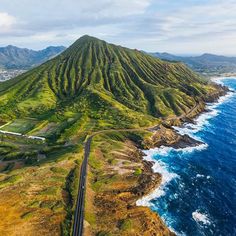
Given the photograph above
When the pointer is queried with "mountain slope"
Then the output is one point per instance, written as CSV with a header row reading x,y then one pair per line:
x,y
12,57
105,82
208,63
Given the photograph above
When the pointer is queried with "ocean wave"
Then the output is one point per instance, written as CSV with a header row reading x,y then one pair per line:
x,y
219,79
201,217
160,167
176,232
221,99
200,176
203,120
165,151
166,177
192,149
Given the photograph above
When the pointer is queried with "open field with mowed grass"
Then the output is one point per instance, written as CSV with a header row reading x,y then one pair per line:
x,y
21,125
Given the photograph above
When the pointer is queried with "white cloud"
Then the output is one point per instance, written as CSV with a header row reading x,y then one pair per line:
x,y
114,8
6,22
153,25
49,17
199,28
201,19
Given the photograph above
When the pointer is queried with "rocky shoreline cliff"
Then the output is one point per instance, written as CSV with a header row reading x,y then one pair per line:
x,y
165,135
128,177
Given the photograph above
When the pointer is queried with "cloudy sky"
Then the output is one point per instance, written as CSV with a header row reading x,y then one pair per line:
x,y
175,26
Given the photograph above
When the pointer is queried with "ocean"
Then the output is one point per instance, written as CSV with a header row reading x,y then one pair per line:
x,y
197,195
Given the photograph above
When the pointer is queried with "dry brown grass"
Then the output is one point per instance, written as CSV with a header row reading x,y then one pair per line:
x,y
114,188
35,205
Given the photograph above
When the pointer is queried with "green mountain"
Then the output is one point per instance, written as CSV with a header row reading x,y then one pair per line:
x,y
12,57
112,85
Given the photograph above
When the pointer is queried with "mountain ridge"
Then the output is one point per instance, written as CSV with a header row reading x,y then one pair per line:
x,y
107,82
205,63
12,57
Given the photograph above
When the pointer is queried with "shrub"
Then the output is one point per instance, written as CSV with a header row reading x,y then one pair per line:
x,y
125,224
138,172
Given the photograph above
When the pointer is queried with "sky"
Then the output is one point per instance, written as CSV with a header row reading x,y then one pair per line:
x,y
183,27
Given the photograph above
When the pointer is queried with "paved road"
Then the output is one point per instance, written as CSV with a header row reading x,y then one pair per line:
x,y
79,211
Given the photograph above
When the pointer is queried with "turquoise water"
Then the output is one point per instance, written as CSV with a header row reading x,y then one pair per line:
x,y
198,191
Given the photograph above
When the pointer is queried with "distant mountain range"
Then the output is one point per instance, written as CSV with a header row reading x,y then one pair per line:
x,y
206,63
12,57
15,58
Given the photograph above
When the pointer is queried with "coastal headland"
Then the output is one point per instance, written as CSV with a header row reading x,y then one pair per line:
x,y
116,202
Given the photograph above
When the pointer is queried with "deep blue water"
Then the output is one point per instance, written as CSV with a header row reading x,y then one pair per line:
x,y
198,194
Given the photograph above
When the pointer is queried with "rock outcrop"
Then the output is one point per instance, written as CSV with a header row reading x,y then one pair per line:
x,y
167,136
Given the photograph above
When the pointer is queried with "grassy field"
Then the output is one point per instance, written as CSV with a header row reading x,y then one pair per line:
x,y
115,181
2,123
21,125
48,187
45,129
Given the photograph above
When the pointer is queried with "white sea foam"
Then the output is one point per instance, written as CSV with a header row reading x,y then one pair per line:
x,y
199,176
177,233
192,149
201,218
219,80
165,151
201,121
160,167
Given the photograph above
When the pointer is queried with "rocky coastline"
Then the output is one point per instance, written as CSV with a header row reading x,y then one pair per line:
x,y
165,135
115,204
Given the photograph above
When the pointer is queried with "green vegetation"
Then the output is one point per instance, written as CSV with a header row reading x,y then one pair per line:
x,y
9,180
125,224
70,189
27,215
98,161
94,85
7,148
138,172
9,166
20,125
103,234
